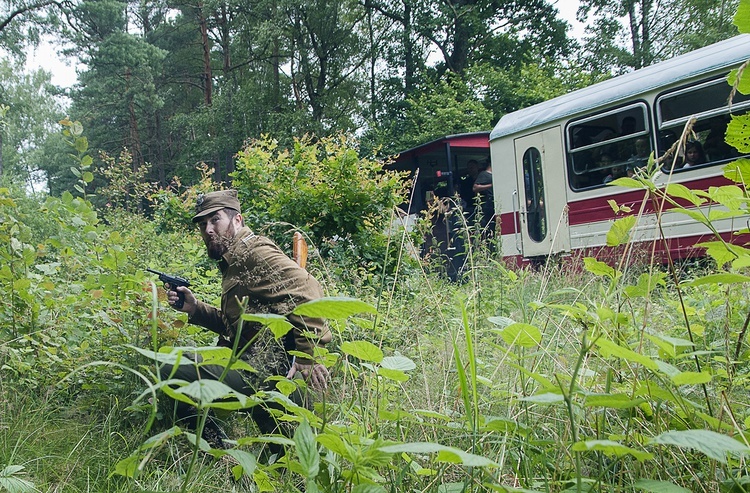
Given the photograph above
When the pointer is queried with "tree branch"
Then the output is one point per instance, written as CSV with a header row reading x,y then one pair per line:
x,y
27,8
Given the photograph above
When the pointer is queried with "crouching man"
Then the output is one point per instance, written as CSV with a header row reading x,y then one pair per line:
x,y
253,269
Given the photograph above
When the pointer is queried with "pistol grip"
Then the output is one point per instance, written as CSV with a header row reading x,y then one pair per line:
x,y
180,299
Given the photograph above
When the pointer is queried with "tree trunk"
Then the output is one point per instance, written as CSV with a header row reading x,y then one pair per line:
x,y
135,137
206,76
409,65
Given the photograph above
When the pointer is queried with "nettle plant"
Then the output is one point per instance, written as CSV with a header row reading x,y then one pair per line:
x,y
343,446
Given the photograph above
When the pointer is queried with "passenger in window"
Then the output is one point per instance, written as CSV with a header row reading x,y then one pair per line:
x,y
610,172
694,154
715,147
628,126
640,159
667,140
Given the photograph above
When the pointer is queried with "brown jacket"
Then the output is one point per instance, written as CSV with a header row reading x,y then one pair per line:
x,y
255,268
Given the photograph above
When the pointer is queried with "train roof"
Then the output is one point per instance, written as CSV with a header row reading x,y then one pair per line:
x,y
471,139
723,54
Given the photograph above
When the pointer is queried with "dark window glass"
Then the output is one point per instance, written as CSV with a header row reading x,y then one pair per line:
x,y
604,147
533,180
708,103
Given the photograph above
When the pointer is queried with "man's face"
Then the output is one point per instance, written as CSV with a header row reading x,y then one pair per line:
x,y
217,231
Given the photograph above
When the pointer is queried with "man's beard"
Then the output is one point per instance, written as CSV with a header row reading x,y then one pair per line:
x,y
218,246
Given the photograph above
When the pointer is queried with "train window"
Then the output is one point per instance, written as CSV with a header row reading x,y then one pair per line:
x,y
533,181
708,103
606,146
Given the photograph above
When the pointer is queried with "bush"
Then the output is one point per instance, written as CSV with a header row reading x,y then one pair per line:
x,y
344,202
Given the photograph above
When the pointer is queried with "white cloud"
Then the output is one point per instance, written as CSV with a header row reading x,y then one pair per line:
x,y
45,57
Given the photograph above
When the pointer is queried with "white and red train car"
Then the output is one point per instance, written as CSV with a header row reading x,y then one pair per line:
x,y
551,162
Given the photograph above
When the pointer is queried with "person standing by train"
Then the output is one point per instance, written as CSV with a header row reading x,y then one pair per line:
x,y
483,187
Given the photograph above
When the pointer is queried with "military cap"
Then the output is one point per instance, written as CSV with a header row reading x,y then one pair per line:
x,y
212,202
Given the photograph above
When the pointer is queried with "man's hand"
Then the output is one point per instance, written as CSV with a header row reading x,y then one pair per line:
x,y
190,301
316,374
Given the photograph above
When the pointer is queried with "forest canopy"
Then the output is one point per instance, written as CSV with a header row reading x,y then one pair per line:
x,y
175,84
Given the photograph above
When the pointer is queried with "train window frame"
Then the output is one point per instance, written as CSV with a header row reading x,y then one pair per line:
x,y
694,88
707,122
590,176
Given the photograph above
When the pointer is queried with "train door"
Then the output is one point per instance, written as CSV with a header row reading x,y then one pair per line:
x,y
542,193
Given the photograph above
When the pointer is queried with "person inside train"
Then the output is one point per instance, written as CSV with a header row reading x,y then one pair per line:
x,y
640,158
715,147
694,154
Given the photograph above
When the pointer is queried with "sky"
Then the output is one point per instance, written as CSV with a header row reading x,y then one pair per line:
x,y
64,71
45,57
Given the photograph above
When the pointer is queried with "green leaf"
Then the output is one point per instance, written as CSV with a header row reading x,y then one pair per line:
x,y
86,161
679,191
730,196
366,351
619,232
538,377
174,356
721,252
369,488
599,268
205,391
691,378
81,144
717,214
277,324
76,128
693,214
457,456
307,450
401,363
246,460
511,489
669,345
12,483
611,448
723,278
524,335
608,348
160,438
737,131
742,17
88,177
627,182
334,443
738,171
655,486
646,284
127,466
504,425
395,375
445,454
333,307
501,321
715,445
612,401
544,399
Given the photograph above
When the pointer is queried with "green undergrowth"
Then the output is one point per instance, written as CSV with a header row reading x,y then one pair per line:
x,y
576,375
555,379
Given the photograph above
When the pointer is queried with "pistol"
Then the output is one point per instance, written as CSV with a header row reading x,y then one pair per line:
x,y
172,282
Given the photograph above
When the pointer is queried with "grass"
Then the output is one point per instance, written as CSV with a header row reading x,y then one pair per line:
x,y
557,379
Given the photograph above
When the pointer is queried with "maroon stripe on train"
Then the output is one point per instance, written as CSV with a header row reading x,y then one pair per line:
x,y
598,209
